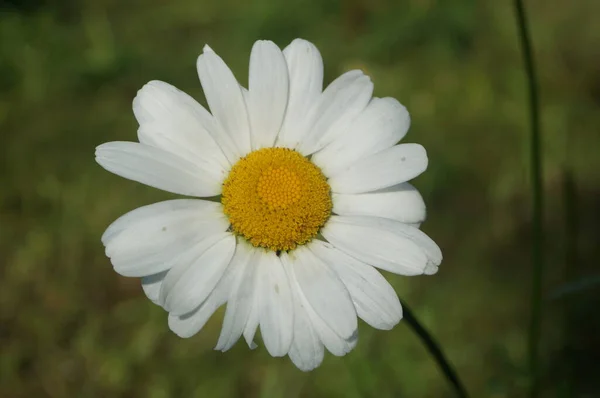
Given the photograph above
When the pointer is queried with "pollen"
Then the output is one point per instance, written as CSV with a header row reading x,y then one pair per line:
x,y
276,199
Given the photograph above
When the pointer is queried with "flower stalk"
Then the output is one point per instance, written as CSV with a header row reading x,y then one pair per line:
x,y
435,350
537,199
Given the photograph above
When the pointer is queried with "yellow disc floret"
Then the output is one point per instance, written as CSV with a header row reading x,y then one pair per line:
x,y
276,198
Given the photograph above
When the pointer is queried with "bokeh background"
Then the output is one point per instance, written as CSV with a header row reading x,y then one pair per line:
x,y
71,327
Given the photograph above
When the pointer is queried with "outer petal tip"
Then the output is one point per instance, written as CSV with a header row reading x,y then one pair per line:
x,y
430,269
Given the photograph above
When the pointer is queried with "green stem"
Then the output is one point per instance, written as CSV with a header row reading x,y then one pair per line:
x,y
435,351
537,198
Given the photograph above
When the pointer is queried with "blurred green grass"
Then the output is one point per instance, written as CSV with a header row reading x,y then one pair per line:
x,y
71,327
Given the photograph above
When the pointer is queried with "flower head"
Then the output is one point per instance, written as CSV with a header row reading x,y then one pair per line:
x,y
313,196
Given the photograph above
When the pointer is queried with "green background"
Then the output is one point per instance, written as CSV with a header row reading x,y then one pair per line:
x,y
71,327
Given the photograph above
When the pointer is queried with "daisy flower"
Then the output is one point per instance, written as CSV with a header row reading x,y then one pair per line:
x,y
308,196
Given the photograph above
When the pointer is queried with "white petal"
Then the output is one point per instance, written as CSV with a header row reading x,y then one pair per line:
x,y
375,300
340,103
276,310
157,168
207,162
149,239
252,323
241,296
172,120
382,124
325,292
389,167
226,102
151,285
431,249
194,276
337,345
268,93
383,243
189,324
305,68
431,269
401,202
306,351
157,210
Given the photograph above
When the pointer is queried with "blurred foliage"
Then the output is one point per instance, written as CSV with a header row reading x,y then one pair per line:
x,y
71,327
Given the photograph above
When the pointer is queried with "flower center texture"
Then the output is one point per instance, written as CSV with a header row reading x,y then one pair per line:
x,y
276,198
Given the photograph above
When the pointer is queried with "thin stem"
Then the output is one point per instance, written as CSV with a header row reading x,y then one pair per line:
x,y
435,351
537,198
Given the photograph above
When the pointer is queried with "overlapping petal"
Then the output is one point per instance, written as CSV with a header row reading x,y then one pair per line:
x,y
401,202
336,108
196,274
240,296
307,350
158,168
387,168
305,70
150,239
334,343
226,102
325,292
382,124
384,243
173,121
189,324
375,300
275,306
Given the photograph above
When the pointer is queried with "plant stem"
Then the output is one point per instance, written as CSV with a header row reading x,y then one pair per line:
x,y
537,199
435,351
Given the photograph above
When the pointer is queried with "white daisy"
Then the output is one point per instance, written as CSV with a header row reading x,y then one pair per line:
x,y
313,195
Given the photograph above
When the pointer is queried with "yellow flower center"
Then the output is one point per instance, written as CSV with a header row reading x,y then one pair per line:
x,y
276,198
